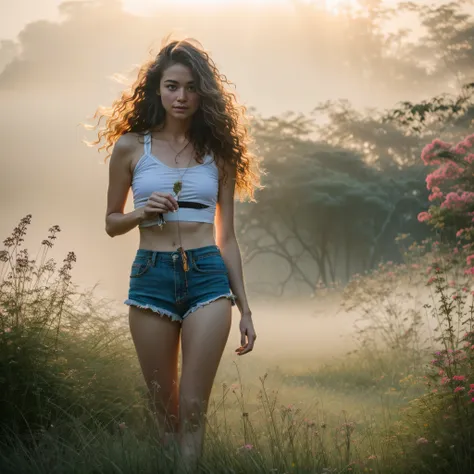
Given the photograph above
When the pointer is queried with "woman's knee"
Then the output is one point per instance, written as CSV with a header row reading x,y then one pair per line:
x,y
192,410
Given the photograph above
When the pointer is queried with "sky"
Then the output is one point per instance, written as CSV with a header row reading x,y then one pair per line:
x,y
279,61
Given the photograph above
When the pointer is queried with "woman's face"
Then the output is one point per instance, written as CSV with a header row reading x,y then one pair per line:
x,y
178,92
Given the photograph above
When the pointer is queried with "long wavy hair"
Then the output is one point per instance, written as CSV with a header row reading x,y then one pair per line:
x,y
219,126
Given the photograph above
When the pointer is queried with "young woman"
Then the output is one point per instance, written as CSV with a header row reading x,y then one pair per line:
x,y
179,142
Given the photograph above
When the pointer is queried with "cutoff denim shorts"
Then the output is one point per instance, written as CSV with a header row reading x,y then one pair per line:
x,y
158,281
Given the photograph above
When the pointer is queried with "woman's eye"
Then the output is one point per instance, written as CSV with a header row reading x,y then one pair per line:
x,y
171,87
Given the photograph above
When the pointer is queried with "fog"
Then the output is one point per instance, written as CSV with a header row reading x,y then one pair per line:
x,y
55,72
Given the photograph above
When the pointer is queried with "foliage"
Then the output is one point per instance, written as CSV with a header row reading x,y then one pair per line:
x,y
58,354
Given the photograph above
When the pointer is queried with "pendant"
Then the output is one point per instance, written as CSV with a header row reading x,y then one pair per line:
x,y
185,259
177,187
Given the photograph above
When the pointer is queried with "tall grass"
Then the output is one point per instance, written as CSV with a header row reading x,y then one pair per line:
x,y
73,399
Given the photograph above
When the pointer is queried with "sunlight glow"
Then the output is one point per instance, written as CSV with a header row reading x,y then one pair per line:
x,y
332,6
336,6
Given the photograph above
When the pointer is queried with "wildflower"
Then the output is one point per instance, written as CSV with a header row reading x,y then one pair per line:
x,y
460,378
372,457
420,441
458,389
424,216
248,447
122,426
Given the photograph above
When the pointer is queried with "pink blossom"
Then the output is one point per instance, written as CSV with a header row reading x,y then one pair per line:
x,y
460,378
469,158
459,232
469,259
469,271
458,389
424,216
431,280
428,153
448,171
434,196
458,200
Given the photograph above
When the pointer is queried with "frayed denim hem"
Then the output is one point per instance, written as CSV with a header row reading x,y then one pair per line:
x,y
155,309
229,296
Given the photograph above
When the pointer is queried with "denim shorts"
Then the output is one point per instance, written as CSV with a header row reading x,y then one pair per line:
x,y
158,281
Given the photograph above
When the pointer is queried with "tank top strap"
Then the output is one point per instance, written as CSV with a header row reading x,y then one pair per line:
x,y
147,144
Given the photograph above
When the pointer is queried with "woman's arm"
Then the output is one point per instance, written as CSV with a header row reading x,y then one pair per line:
x,y
227,242
120,179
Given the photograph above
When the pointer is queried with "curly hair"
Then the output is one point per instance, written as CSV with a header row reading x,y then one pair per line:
x,y
218,126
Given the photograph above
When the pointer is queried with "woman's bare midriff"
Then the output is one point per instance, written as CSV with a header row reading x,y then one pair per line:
x,y
193,235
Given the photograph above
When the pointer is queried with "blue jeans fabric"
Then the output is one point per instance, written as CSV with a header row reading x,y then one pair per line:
x,y
158,281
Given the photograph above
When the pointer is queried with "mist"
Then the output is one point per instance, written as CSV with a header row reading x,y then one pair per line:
x,y
55,73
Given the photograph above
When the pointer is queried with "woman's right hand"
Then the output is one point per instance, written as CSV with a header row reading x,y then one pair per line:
x,y
159,203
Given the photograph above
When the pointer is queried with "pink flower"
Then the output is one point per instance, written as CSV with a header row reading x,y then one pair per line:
x,y
447,171
469,259
458,200
248,447
428,154
424,216
458,389
460,378
431,280
469,158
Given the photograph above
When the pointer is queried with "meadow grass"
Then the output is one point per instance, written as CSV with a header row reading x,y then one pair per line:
x,y
73,399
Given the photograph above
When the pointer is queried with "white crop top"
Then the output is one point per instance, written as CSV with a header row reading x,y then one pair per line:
x,y
200,184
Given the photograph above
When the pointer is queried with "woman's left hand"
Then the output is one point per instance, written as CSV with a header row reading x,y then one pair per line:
x,y
248,335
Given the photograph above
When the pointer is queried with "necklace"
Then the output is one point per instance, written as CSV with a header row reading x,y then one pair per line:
x,y
179,152
177,188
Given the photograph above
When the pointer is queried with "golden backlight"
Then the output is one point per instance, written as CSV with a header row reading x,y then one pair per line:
x,y
333,6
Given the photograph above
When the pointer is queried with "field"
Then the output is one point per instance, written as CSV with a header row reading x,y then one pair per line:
x,y
342,382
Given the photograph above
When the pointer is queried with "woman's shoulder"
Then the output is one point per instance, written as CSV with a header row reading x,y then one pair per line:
x,y
129,142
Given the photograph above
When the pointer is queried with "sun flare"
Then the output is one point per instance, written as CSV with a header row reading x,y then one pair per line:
x,y
336,6
332,6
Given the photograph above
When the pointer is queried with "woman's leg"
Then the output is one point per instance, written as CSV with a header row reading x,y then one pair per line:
x,y
156,340
204,336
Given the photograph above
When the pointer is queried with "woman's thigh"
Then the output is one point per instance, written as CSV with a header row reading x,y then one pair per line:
x,y
156,340
204,336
